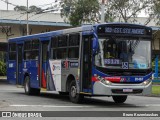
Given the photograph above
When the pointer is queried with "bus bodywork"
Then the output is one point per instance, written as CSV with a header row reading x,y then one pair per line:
x,y
88,60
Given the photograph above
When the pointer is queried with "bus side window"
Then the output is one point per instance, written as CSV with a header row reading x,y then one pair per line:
x,y
62,47
73,48
65,46
59,47
12,51
54,45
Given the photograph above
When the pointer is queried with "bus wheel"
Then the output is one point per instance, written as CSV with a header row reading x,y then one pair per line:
x,y
73,95
28,89
119,99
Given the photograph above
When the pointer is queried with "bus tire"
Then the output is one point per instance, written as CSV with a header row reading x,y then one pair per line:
x,y
28,89
119,99
73,95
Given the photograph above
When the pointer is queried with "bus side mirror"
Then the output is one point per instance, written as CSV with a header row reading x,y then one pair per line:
x,y
94,45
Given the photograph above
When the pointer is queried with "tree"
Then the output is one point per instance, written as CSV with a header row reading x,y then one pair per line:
x,y
20,8
31,8
124,10
156,11
77,12
81,11
34,8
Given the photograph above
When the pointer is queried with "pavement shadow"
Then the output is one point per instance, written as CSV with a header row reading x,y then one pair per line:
x,y
3,81
88,101
106,103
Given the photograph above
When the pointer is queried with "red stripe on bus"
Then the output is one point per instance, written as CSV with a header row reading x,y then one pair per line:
x,y
113,79
94,79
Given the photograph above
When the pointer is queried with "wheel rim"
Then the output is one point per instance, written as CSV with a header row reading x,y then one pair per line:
x,y
73,91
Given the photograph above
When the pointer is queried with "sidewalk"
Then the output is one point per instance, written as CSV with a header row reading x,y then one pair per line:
x,y
3,79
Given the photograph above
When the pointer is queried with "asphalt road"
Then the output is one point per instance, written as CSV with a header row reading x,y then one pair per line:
x,y
14,99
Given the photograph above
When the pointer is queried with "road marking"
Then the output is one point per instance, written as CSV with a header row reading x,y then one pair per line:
x,y
59,106
153,105
47,106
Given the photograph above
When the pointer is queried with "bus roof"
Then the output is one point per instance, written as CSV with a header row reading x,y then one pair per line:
x,y
65,31
52,33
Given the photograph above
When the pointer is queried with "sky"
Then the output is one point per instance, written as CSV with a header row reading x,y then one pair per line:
x,y
24,3
39,3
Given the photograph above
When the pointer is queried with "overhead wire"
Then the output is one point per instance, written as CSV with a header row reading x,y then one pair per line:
x,y
9,3
41,12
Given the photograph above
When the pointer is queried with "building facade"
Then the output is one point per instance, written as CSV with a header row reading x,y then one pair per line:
x,y
13,24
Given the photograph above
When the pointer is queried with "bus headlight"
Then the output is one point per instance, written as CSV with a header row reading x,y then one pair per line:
x,y
147,82
106,82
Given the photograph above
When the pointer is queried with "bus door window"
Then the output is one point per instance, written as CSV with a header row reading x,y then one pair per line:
x,y
19,63
27,50
12,51
86,63
43,63
35,49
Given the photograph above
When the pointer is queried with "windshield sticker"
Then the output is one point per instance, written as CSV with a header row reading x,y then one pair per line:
x,y
140,65
125,65
112,62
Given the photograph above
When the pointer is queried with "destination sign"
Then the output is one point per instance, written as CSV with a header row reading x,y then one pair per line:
x,y
125,30
122,30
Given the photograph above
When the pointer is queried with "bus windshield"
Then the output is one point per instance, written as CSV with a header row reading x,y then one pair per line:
x,y
123,53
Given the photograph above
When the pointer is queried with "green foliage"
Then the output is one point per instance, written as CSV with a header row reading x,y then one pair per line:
x,y
156,90
2,68
156,11
124,10
77,12
31,8
20,8
81,11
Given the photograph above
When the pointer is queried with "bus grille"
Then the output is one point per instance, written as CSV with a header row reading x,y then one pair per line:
x,y
120,91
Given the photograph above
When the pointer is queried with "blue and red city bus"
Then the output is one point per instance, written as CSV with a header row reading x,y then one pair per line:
x,y
112,59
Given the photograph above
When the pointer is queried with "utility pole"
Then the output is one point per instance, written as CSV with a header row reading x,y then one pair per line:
x,y
27,20
7,4
102,11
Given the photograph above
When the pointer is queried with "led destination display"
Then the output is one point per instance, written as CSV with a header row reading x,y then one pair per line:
x,y
128,30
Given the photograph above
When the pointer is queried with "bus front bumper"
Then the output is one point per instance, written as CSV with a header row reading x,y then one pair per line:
x,y
121,89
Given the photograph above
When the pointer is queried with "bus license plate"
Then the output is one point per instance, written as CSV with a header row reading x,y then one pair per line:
x,y
127,90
